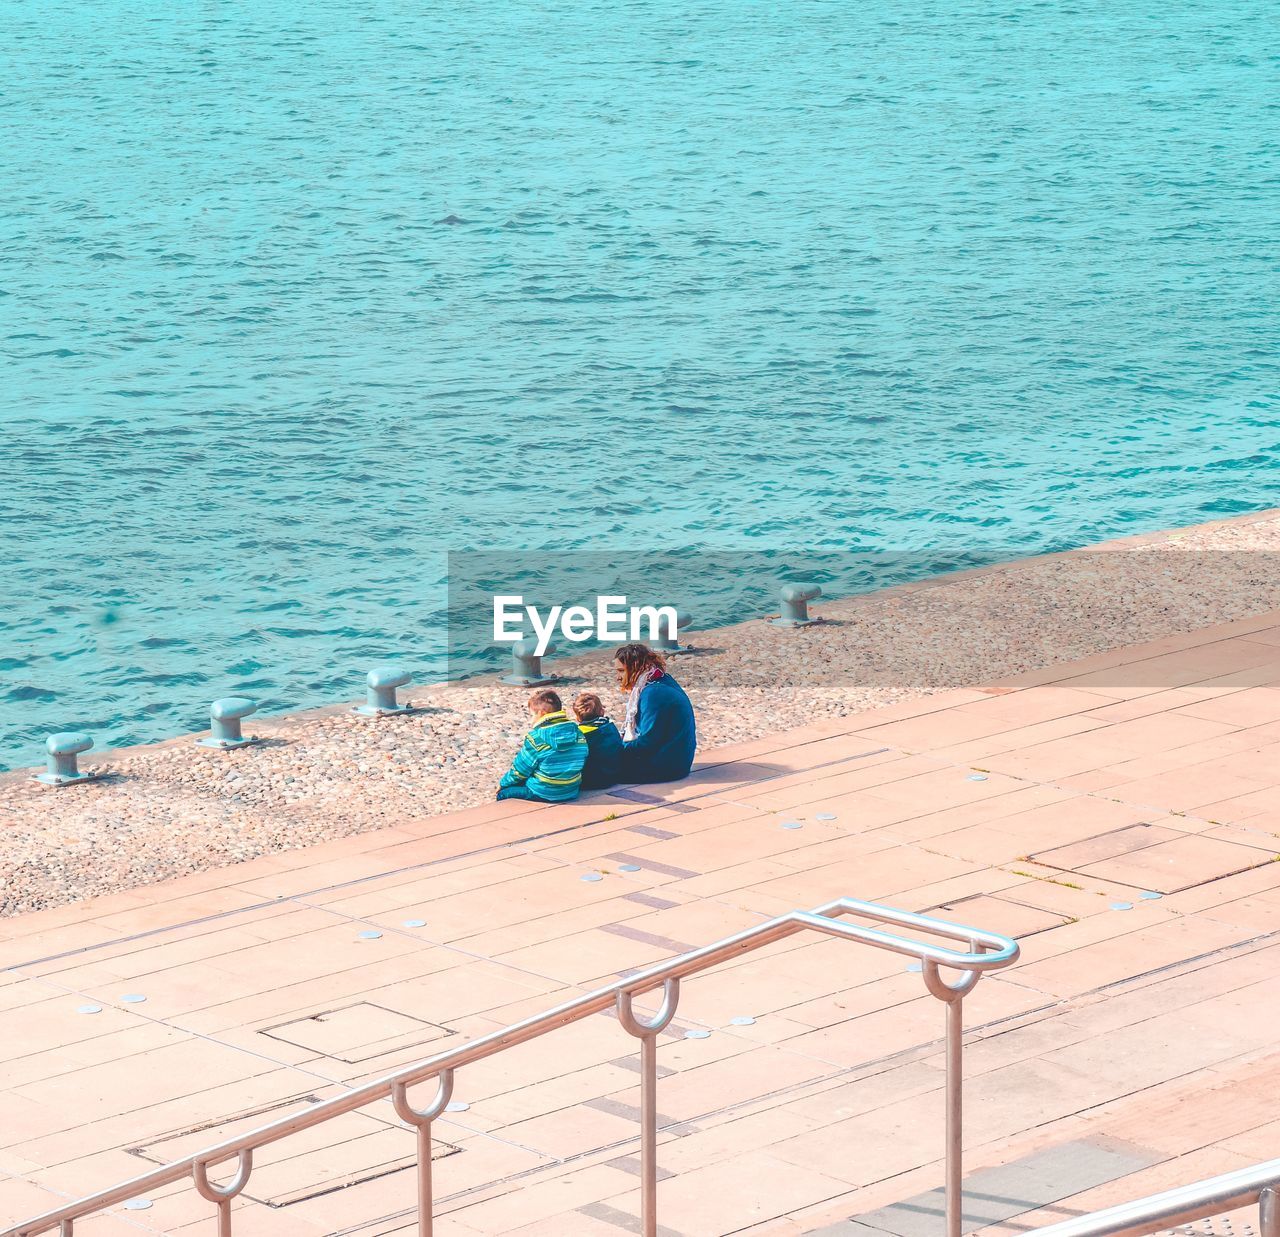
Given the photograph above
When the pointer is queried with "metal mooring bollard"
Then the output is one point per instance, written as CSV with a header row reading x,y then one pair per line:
x,y
526,665
224,723
62,769
381,700
795,605
668,642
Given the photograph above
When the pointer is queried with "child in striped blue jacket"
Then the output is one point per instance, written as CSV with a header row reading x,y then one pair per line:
x,y
548,766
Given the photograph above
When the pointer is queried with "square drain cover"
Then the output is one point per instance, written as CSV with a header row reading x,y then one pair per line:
x,y
1183,863
1104,846
356,1033
345,1151
1153,857
1000,914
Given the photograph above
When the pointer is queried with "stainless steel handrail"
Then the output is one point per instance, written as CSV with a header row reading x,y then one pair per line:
x,y
987,951
1185,1205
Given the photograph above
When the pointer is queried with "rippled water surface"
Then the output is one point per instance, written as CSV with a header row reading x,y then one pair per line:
x,y
295,298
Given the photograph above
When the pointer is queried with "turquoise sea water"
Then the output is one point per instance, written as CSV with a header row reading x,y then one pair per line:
x,y
959,277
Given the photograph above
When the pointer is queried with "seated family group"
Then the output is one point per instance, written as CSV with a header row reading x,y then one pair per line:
x,y
562,755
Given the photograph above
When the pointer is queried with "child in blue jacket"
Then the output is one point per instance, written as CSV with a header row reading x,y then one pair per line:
x,y
604,742
548,766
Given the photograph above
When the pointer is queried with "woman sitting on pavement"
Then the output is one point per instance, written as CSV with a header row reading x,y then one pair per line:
x,y
659,735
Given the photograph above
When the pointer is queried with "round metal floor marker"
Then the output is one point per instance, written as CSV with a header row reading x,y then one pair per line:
x,y
414,923
89,1009
456,1106
792,824
1122,906
915,967
742,1020
697,1035
592,876
138,1204
371,935
1150,895
977,777
133,998
824,816
628,867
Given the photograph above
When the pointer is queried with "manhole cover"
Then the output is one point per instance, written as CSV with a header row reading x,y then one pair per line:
x,y
1000,914
356,1033
342,1152
1155,858
1105,846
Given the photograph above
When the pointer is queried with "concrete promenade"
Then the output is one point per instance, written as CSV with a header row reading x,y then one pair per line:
x,y
1134,1046
174,809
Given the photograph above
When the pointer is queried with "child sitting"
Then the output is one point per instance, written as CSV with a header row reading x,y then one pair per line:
x,y
548,766
604,742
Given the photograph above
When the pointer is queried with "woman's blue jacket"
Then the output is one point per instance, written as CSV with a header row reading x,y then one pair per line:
x,y
666,736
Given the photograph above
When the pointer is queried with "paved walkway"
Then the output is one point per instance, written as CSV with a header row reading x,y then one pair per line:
x,y
1133,1047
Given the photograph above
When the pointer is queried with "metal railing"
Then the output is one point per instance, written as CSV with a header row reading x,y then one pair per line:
x,y
986,951
1185,1205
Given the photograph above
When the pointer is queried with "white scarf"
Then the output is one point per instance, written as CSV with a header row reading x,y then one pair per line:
x,y
633,703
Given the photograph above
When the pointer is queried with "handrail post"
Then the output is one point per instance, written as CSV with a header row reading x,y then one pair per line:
x,y
953,993
421,1120
649,1134
221,1195
646,1030
955,1116
426,1196
1269,1212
